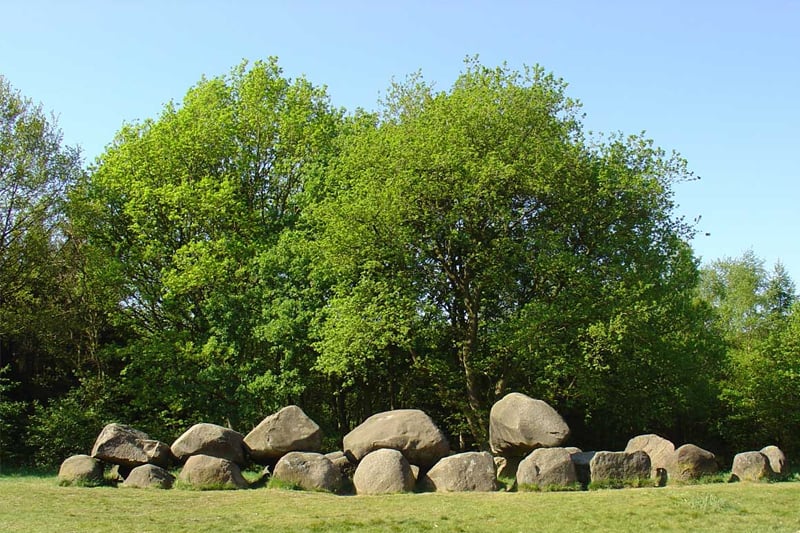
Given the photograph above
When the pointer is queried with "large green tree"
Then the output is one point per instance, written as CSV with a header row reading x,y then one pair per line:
x,y
481,244
188,210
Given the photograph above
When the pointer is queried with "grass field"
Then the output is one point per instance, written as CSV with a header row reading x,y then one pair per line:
x,y
34,504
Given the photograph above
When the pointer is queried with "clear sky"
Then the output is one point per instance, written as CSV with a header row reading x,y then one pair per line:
x,y
718,81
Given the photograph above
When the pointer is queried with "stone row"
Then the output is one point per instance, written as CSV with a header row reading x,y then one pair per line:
x,y
398,451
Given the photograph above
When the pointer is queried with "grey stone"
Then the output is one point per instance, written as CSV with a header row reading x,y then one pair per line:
x,y
207,472
384,471
309,471
149,476
125,446
463,472
547,467
81,469
751,466
288,430
777,461
692,462
210,439
519,424
409,431
660,450
619,467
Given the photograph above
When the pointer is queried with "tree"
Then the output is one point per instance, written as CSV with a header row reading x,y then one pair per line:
x,y
187,210
480,243
40,344
757,312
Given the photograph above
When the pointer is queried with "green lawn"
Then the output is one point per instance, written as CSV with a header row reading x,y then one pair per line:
x,y
31,504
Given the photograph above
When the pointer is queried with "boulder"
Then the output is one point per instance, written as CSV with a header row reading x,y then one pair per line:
x,y
210,439
660,450
309,471
519,424
288,430
125,446
409,431
464,472
384,471
81,470
582,460
149,476
207,472
547,467
751,466
619,467
692,462
777,461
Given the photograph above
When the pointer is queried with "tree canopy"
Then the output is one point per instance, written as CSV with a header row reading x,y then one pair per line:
x,y
478,237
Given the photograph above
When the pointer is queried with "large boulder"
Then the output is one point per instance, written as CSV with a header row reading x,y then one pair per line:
x,y
692,462
546,468
384,471
409,431
660,450
619,467
207,472
464,472
288,430
210,439
519,424
309,471
80,470
777,461
125,446
751,466
149,476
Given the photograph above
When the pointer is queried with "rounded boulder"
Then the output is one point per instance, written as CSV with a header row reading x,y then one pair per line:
x,y
751,466
149,476
547,467
212,440
207,472
519,424
309,471
288,430
463,472
660,450
410,431
384,471
81,470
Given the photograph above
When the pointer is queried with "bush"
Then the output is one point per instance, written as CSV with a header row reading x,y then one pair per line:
x,y
66,426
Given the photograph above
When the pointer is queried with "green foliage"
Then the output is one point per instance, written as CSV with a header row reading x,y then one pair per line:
x,y
68,425
191,213
480,241
760,319
12,415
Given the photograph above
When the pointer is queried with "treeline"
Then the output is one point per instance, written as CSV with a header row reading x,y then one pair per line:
x,y
255,246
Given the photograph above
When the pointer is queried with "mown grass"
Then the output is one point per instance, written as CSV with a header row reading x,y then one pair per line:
x,y
38,504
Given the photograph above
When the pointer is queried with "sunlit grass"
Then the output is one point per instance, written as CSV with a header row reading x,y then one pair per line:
x,y
38,504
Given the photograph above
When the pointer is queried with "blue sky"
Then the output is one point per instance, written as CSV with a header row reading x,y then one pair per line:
x,y
717,81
